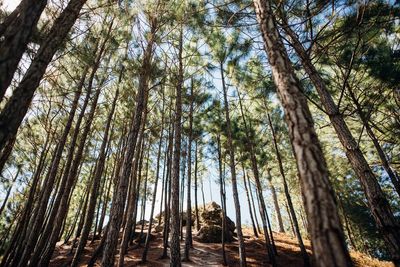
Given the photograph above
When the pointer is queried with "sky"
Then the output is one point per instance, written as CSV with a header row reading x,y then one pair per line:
x,y
9,5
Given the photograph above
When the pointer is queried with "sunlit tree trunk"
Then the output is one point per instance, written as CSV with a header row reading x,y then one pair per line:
x,y
326,232
380,208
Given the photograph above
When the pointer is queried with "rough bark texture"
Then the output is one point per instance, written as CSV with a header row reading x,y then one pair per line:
x,y
15,38
377,201
326,232
17,106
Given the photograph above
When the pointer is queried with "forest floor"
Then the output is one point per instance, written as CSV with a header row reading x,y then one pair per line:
x,y
210,254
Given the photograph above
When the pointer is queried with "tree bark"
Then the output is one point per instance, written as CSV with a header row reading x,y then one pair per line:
x,y
248,202
326,232
15,38
15,109
377,202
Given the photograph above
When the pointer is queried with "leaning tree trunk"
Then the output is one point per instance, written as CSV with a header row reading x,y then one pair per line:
x,y
175,250
95,186
377,202
231,148
118,204
15,38
14,111
35,225
292,214
326,232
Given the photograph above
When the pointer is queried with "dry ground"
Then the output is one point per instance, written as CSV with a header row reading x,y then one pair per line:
x,y
210,254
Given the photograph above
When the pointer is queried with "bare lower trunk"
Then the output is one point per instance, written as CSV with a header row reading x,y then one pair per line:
x,y
242,250
95,185
188,237
380,208
326,232
175,250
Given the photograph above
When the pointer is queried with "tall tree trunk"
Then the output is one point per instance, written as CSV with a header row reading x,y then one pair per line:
x,y
95,186
380,208
36,223
263,209
6,153
147,243
252,204
188,236
196,184
15,109
276,206
223,199
118,204
248,202
175,250
231,148
15,38
296,228
326,232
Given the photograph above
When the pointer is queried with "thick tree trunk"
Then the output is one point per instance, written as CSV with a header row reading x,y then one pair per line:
x,y
188,236
377,201
326,232
175,250
15,37
242,250
14,111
